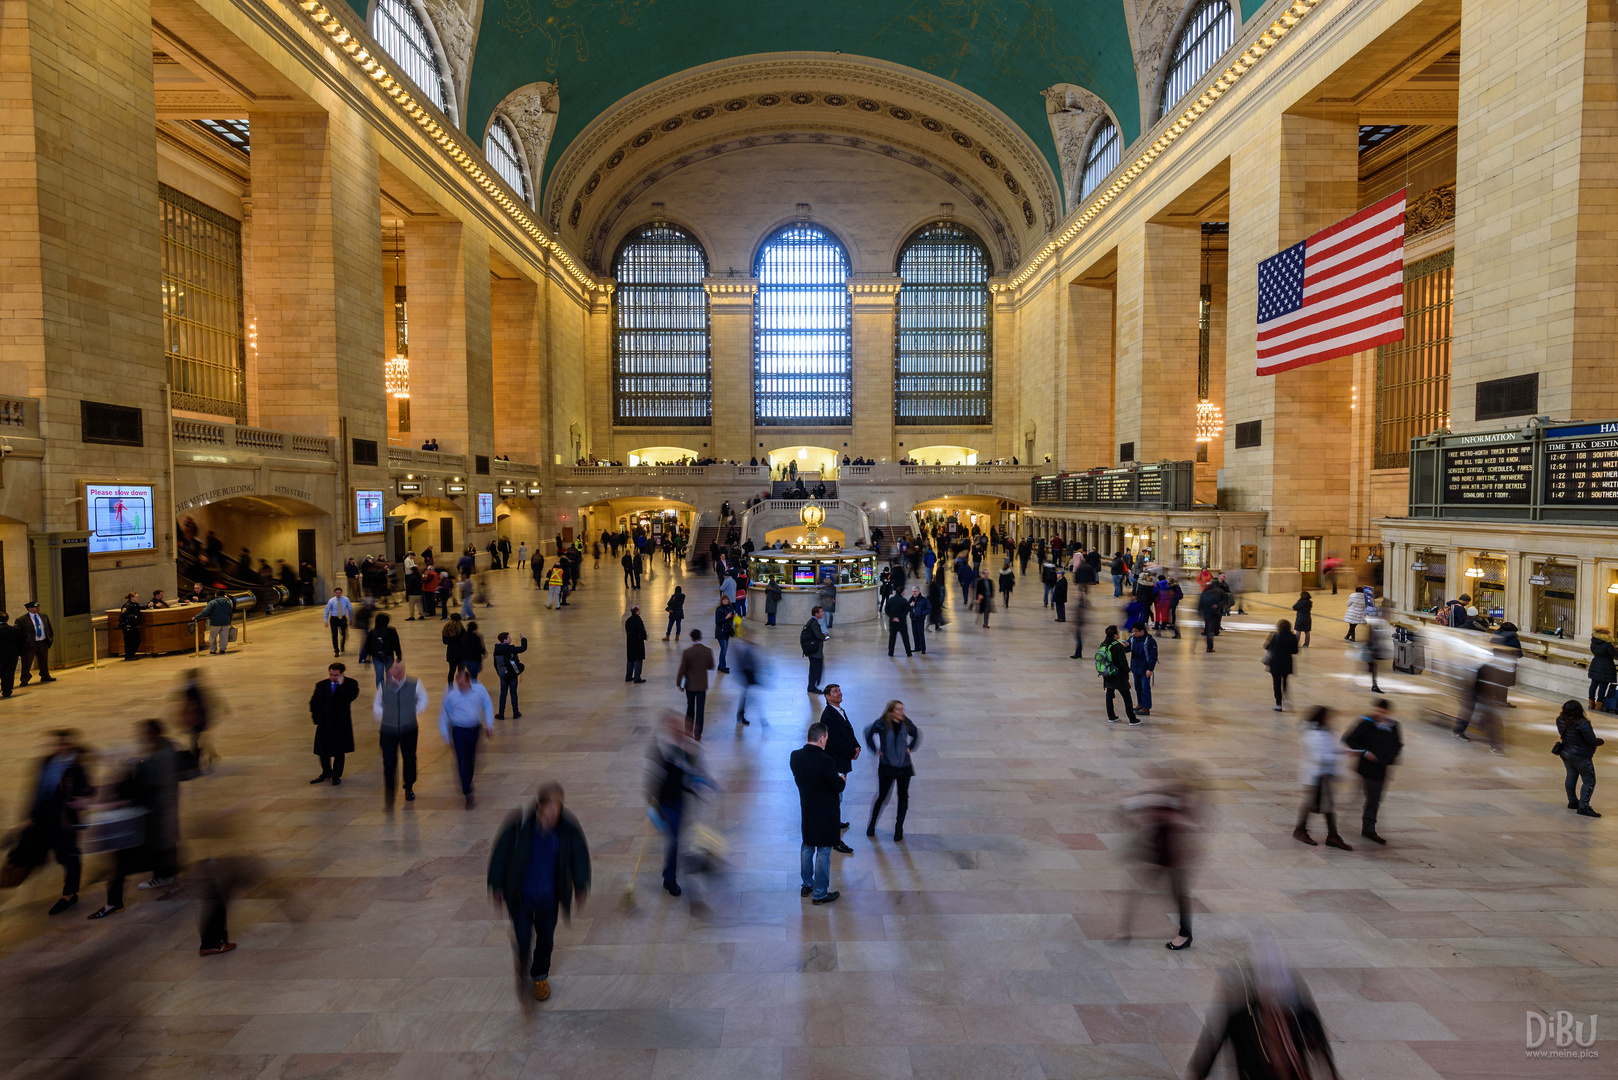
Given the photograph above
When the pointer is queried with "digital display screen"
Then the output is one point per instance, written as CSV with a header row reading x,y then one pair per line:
x,y
119,518
1582,472
485,508
803,574
867,574
369,518
1496,474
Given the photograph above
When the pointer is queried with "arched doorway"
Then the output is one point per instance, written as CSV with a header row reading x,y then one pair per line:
x,y
943,455
662,455
815,462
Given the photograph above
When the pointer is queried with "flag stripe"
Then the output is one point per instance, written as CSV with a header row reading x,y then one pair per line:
x,y
1307,318
1350,321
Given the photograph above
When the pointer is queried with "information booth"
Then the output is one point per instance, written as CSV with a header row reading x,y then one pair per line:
x,y
802,573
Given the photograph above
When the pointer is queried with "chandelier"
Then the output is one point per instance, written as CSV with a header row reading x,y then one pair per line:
x,y
397,374
1210,422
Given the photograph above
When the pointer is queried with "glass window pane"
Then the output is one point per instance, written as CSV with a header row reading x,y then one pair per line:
x,y
400,31
1203,40
662,359
1101,158
501,151
1412,376
943,348
803,345
201,290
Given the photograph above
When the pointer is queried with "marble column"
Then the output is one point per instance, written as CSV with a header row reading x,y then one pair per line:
x,y
731,319
451,354
1155,381
873,297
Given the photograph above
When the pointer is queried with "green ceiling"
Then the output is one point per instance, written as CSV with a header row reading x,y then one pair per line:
x,y
1006,51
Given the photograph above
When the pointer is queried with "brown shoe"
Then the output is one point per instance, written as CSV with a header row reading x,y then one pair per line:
x,y
542,989
1337,842
216,950
1301,833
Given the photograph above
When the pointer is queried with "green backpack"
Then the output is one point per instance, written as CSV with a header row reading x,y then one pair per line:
x,y
1104,665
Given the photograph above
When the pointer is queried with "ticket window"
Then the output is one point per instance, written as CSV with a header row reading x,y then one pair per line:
x,y
1432,583
1489,590
1194,550
1556,599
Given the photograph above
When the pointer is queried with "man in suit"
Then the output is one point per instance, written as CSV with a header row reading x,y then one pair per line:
x,y
843,746
692,677
813,640
37,635
330,707
819,785
10,650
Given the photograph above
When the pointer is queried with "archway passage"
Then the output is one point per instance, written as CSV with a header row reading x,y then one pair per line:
x,y
256,542
662,455
788,461
944,455
969,511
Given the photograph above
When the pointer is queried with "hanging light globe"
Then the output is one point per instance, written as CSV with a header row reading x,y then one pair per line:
x,y
396,374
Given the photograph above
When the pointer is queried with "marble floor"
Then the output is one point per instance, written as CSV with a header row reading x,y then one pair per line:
x,y
986,945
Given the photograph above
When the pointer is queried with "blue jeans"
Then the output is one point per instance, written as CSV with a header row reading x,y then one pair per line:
x,y
381,666
815,864
466,753
672,812
535,926
769,618
674,626
724,649
1117,584
1143,691
1047,601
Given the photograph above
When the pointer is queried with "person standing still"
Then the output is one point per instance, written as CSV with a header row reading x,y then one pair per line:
x,y
466,713
920,610
724,628
220,612
676,609
540,867
1142,666
634,645
819,785
1578,744
828,603
1377,739
1112,664
330,709
891,738
338,611
1059,595
129,623
509,668
812,640
897,611
398,706
692,677
10,650
772,601
522,554
37,636
1211,606
1305,621
843,746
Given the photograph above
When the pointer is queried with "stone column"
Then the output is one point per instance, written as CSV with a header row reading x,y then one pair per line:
x,y
1087,428
731,319
450,349
519,406
1155,386
874,296
1536,142
1283,189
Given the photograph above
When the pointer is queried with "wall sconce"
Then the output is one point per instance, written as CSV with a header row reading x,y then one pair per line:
x,y
1376,554
1474,572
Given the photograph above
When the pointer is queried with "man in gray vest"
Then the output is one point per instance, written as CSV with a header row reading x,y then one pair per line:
x,y
399,702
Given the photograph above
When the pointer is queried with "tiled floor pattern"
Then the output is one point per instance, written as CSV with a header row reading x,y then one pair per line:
x,y
986,945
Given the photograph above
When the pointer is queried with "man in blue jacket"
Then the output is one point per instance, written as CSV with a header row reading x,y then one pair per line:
x,y
1142,663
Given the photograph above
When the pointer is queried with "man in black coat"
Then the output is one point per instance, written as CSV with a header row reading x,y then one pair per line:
x,y
897,610
59,784
843,746
10,650
819,785
1211,606
1377,739
330,709
535,892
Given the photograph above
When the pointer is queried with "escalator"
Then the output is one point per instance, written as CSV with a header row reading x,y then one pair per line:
x,y
266,597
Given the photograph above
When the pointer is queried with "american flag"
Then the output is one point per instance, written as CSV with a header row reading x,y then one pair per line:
x,y
1338,292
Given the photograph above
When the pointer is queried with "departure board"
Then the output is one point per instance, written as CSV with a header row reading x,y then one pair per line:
x,y
1582,472
1489,473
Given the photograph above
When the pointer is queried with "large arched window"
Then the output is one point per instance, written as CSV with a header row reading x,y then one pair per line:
x,y
942,356
1100,157
500,148
398,28
662,372
802,345
1204,37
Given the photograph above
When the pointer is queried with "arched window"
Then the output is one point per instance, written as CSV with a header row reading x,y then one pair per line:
x,y
662,371
1100,158
1204,37
399,29
500,148
942,354
802,345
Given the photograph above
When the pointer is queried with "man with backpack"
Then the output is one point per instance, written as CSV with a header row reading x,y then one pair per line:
x,y
509,668
812,639
1112,664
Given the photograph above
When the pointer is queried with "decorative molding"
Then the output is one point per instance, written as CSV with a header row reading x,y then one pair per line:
x,y
1074,113
883,285
851,137
1430,210
718,287
1151,31
455,24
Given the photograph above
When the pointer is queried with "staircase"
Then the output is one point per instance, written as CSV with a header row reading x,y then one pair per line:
x,y
697,554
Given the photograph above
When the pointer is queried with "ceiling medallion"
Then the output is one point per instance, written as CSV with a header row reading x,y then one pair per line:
x,y
768,100
835,100
703,113
802,99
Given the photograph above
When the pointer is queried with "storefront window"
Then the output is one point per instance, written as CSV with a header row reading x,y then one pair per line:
x,y
1194,550
1555,610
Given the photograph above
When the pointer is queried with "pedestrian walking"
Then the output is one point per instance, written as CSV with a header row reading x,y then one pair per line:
x,y
151,784
413,589
935,601
540,867
724,628
381,647
522,554
129,623
1279,649
339,610
10,651
819,785
634,645
472,650
451,635
983,590
509,669
920,610
330,709
1270,1024
692,677
1007,581
1305,620
897,613
1112,664
892,737
1317,772
1166,821
1376,738
61,785
812,640
1211,606
467,713
1355,615
1142,666
676,609
1576,746
1376,644
674,772
398,706
1048,578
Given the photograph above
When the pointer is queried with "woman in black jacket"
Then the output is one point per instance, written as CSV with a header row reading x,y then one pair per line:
x,y
1279,650
892,737
472,650
1305,607
1578,743
452,634
635,645
1603,666
381,647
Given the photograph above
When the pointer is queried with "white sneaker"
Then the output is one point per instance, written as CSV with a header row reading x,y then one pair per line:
x,y
156,883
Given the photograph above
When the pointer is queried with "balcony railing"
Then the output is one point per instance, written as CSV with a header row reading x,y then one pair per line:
x,y
19,416
515,468
252,440
402,457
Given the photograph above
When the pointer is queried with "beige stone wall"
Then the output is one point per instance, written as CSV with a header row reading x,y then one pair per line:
x,y
1088,432
519,364
1155,386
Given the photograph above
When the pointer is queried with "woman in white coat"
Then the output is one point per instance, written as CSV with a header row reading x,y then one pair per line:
x,y
1357,614
1316,772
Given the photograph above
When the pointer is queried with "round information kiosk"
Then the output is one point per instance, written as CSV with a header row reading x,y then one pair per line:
x,y
804,569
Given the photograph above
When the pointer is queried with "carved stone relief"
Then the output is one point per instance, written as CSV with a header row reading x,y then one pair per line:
x,y
1151,25
1074,113
532,111
456,23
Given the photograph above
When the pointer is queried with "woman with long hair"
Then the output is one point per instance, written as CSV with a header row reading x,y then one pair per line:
x,y
1316,772
892,737
1279,650
1577,746
1603,666
451,635
1305,607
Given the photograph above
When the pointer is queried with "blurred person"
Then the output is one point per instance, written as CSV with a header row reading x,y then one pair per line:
x,y
724,628
828,604
1081,614
1377,740
750,671
1316,772
151,784
1112,664
1603,671
1047,578
1270,1023
61,785
674,772
935,600
1482,704
891,737
196,716
339,610
676,609
539,868
1576,747
819,785
330,710
220,879
692,677
11,647
398,706
466,714
451,636
1211,607
1279,649
634,645
1376,642
1355,615
129,623
920,609
1305,620
1166,820
509,669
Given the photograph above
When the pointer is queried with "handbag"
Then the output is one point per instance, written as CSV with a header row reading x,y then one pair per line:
x,y
113,830
231,635
1556,748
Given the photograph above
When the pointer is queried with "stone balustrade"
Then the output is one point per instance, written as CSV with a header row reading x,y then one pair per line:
x,y
250,440
436,461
